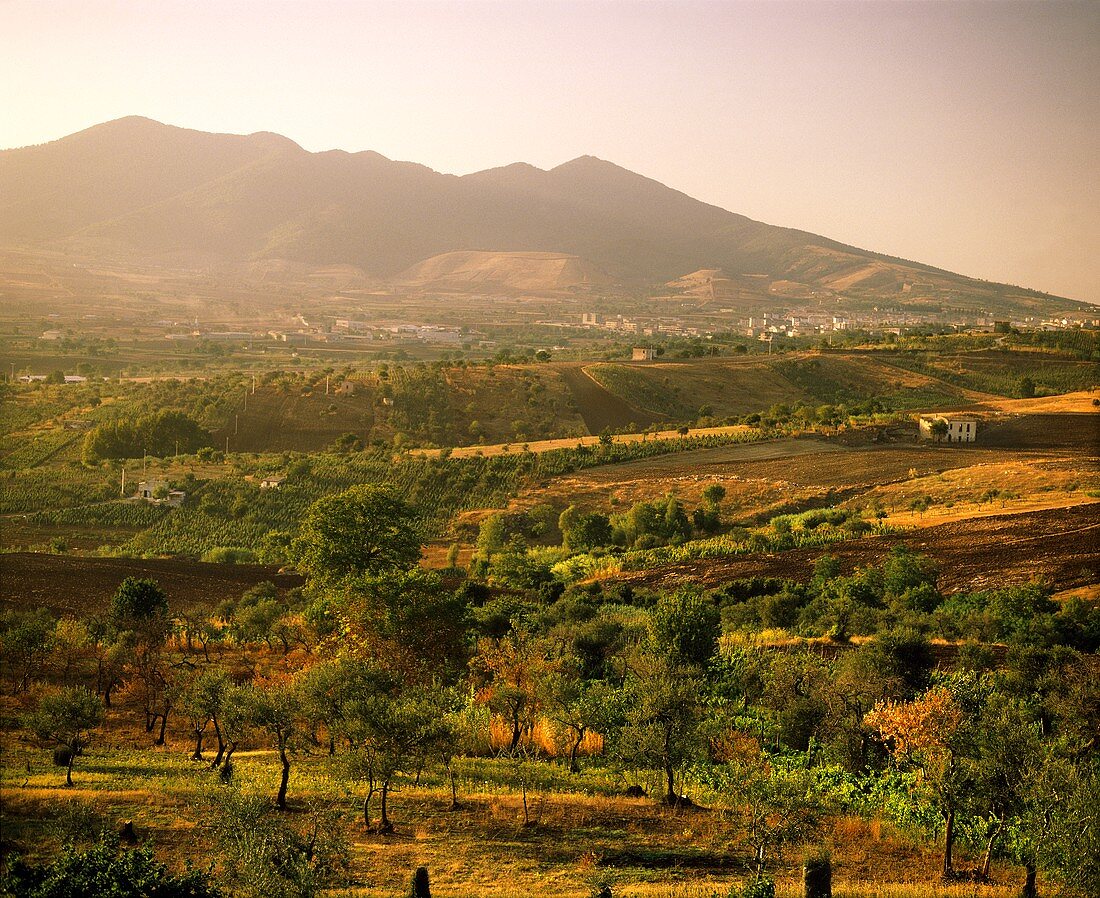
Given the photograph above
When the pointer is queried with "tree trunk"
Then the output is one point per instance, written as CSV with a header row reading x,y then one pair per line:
x,y
516,732
331,745
163,726
948,843
574,766
670,775
988,859
1029,890
384,825
197,755
454,788
366,802
221,742
107,694
69,767
229,753
280,800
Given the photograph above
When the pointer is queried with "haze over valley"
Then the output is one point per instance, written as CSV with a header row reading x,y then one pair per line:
x,y
574,448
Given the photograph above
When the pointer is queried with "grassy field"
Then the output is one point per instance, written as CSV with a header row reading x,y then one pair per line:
x,y
581,832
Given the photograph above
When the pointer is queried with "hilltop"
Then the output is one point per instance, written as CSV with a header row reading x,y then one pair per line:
x,y
137,190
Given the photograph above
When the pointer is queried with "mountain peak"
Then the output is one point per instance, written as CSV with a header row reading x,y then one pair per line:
x,y
588,163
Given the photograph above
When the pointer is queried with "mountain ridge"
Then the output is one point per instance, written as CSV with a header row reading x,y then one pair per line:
x,y
139,189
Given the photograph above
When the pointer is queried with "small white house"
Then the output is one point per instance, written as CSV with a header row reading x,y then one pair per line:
x,y
643,354
272,483
943,429
157,492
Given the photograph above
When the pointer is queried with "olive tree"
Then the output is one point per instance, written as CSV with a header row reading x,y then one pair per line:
x,y
67,718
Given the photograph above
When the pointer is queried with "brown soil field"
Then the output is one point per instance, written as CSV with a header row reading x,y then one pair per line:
x,y
1077,432
1060,546
68,584
685,474
599,407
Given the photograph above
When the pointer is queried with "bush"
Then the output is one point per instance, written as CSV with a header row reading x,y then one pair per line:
x,y
759,887
229,555
104,870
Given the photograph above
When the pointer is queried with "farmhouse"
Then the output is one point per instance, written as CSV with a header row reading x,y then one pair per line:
x,y
939,428
157,492
642,354
272,483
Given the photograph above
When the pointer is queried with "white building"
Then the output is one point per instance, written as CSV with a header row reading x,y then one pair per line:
x,y
959,430
157,492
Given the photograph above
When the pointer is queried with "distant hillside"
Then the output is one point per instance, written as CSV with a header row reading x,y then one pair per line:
x,y
535,272
136,189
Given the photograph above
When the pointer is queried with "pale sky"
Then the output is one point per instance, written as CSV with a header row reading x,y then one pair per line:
x,y
964,135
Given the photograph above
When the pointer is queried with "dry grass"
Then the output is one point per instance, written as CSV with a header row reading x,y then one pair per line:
x,y
581,832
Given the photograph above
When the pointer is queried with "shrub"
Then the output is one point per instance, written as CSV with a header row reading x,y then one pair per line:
x,y
229,555
759,887
104,870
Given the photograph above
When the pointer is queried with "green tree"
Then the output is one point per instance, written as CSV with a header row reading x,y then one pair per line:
x,y
67,718
393,725
491,535
662,716
777,808
713,494
364,530
138,603
686,626
201,701
26,638
409,621
267,855
581,531
274,707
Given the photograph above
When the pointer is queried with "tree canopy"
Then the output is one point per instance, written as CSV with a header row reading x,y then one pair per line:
x,y
364,530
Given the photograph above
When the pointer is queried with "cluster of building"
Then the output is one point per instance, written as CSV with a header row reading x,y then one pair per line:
x,y
647,327
42,378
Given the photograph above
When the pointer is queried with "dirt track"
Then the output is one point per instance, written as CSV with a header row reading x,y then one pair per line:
x,y
599,407
1060,546
69,584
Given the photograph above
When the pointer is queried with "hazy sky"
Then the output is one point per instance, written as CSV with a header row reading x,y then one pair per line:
x,y
965,135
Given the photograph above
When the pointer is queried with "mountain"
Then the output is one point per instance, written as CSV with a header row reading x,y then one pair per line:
x,y
137,189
